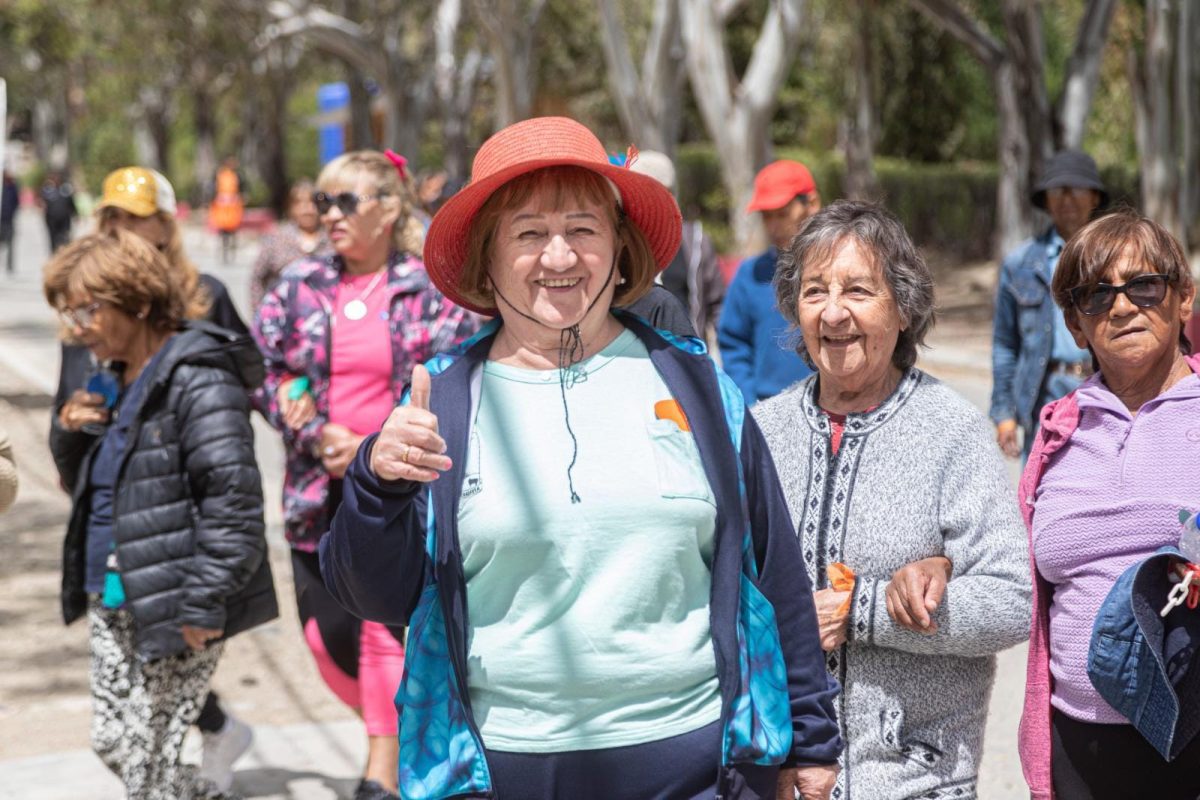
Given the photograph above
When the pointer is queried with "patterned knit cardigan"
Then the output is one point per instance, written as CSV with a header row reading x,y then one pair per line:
x,y
919,476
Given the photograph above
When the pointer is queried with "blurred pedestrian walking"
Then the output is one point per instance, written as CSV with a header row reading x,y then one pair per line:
x,y
583,528
10,200
165,549
301,236
752,333
142,201
1034,357
340,335
228,205
57,199
8,473
694,275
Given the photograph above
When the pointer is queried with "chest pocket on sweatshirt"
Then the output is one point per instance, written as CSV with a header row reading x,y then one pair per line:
x,y
677,460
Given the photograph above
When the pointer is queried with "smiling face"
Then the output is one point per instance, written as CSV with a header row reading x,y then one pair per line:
x,y
849,319
552,261
357,236
1126,338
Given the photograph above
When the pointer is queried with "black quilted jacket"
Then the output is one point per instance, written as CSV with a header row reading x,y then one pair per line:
x,y
188,506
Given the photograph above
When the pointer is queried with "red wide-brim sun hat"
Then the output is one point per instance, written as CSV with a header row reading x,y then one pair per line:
x,y
531,145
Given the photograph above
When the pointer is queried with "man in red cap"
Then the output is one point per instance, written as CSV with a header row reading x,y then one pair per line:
x,y
752,334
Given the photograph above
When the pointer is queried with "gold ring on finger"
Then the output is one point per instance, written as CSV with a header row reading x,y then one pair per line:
x,y
404,455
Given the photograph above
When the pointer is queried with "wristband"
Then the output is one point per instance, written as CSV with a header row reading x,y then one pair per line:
x,y
298,388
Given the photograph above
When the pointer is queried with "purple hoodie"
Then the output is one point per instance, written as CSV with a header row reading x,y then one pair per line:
x,y
1060,421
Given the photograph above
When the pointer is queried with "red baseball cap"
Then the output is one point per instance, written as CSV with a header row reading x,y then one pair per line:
x,y
778,183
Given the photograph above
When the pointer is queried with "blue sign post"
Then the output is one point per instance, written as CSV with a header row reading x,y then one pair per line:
x,y
333,103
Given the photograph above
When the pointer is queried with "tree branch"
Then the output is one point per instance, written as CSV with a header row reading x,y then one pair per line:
x,y
329,32
768,62
1083,70
948,16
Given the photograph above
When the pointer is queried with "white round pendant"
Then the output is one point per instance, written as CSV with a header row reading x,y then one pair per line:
x,y
355,310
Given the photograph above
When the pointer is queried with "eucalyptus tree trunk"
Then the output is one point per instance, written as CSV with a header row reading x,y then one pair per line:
x,y
648,104
1157,121
510,27
1029,128
454,83
737,113
1083,73
861,181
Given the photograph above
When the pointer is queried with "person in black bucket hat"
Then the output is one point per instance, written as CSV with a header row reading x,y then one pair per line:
x,y
1034,358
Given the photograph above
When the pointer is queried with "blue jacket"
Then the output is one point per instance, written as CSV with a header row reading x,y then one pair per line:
x,y
393,556
1146,666
753,335
1022,332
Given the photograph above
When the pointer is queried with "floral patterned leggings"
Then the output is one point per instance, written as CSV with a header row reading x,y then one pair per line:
x,y
141,710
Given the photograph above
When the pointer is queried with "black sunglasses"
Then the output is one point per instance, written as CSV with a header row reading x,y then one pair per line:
x,y
1144,291
347,202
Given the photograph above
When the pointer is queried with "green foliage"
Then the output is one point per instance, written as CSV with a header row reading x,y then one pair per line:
x,y
98,60
935,100
947,207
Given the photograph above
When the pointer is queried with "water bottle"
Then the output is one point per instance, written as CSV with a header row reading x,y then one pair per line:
x,y
102,380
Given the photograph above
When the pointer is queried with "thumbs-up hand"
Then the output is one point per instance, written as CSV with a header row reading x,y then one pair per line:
x,y
409,447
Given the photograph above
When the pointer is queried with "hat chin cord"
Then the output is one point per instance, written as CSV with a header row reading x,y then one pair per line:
x,y
570,353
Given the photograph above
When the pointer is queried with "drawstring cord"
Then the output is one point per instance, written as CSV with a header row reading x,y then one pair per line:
x,y
570,353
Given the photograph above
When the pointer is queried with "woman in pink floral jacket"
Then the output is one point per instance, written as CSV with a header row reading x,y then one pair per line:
x,y
340,336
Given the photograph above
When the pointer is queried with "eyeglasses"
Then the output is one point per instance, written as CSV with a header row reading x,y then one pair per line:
x,y
79,317
347,202
1144,291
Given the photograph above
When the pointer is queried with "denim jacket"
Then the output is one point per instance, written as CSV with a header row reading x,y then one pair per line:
x,y
392,556
1022,332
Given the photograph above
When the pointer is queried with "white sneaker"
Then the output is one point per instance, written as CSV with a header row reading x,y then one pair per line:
x,y
222,749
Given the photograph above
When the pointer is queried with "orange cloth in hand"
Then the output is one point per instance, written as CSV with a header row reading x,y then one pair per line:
x,y
841,579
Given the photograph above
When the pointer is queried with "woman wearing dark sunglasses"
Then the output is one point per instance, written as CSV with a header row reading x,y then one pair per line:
x,y
1112,465
340,335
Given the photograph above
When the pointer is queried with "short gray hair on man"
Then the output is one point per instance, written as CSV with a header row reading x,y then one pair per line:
x,y
880,237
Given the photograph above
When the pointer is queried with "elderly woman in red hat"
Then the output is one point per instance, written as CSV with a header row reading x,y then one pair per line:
x,y
577,519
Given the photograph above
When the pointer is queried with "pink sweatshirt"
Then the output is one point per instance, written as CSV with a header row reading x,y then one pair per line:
x,y
1059,420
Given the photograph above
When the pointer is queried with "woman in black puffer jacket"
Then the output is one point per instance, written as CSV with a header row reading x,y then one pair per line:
x,y
165,548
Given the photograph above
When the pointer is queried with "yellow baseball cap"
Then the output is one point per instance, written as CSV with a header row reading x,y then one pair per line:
x,y
138,190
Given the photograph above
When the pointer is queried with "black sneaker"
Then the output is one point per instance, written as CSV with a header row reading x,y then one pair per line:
x,y
371,790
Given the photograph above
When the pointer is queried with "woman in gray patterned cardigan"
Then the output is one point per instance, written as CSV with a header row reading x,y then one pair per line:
x,y
890,473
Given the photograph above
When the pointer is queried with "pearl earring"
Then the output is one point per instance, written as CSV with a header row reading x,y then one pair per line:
x,y
621,281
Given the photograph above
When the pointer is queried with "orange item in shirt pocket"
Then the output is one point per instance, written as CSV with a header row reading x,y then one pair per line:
x,y
669,409
841,579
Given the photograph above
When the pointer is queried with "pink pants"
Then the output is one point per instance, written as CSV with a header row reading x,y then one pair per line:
x,y
361,662
380,667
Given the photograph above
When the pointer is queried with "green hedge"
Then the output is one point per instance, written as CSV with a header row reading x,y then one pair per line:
x,y
947,207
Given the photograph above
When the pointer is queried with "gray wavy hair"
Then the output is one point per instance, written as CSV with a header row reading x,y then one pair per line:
x,y
880,237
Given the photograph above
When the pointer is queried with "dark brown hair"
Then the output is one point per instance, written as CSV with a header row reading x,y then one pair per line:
x,y
1102,243
635,263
